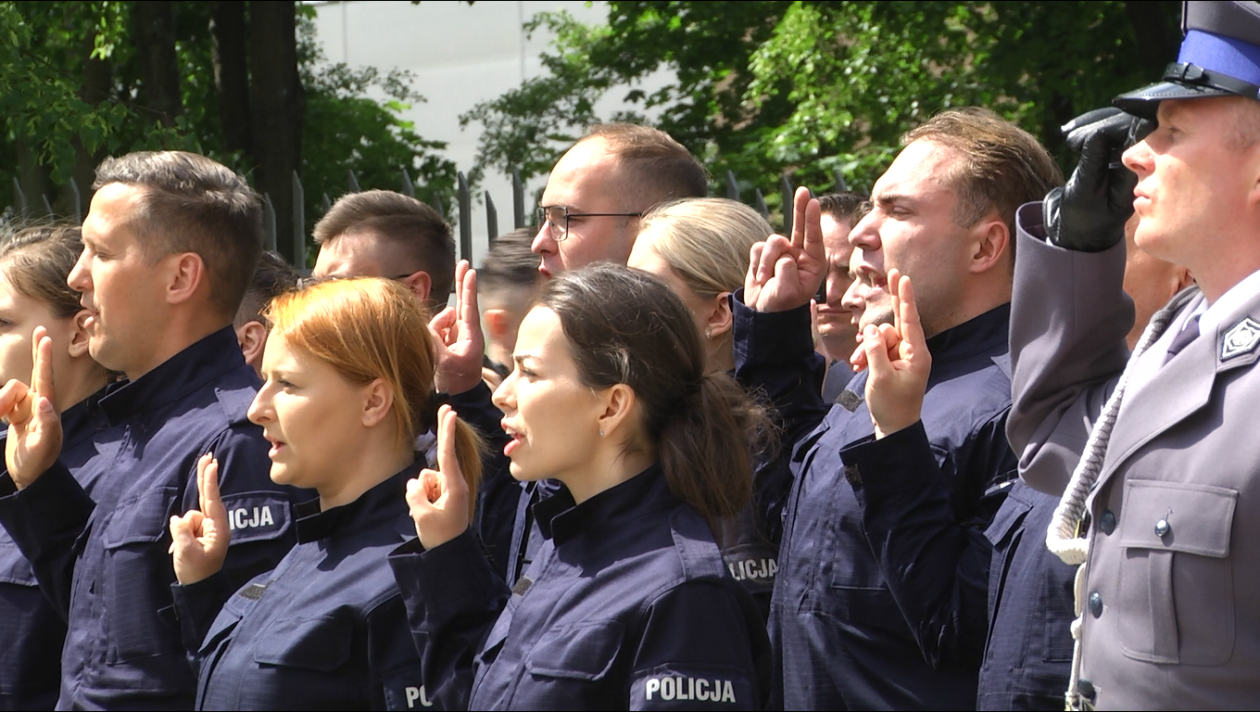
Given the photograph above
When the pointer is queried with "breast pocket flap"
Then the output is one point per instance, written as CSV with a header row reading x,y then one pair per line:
x,y
140,520
321,644
580,652
1175,516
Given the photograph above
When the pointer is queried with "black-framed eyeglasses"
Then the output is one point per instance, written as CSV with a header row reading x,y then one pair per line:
x,y
555,219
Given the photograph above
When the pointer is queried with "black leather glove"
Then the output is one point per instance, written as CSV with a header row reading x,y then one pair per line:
x,y
1088,214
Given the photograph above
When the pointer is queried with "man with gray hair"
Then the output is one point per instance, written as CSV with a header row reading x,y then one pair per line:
x,y
1160,511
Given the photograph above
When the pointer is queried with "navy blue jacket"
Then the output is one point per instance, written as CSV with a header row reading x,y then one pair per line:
x,y
326,629
881,597
104,558
628,606
749,541
31,629
1028,659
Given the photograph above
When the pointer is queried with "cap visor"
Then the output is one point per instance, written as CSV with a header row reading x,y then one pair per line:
x,y
1144,102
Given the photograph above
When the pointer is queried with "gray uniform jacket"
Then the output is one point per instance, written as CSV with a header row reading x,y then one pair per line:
x,y
1172,595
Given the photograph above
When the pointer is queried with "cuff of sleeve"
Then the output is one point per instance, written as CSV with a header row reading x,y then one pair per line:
x,y
448,578
1030,220
477,395
770,337
197,605
53,503
898,464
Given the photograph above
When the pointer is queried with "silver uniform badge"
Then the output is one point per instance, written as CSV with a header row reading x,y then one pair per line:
x,y
1241,338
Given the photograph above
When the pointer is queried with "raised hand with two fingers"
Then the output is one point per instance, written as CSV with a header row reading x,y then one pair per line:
x,y
35,435
439,499
200,538
898,361
785,273
457,331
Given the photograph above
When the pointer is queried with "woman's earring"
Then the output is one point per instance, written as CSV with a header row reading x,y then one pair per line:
x,y
601,432
708,333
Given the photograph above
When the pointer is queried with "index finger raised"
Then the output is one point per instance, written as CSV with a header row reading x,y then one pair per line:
x,y
910,325
42,369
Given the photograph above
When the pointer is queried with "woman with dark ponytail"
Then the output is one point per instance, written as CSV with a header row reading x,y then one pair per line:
x,y
628,604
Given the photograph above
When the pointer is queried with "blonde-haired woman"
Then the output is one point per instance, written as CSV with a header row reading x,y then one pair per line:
x,y
699,247
349,370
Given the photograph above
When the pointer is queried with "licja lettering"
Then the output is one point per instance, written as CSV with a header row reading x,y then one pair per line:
x,y
242,518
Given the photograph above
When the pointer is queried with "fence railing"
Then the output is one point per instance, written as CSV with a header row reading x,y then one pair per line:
x,y
43,210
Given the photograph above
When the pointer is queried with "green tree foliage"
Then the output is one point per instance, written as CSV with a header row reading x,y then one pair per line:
x,y
806,88
72,90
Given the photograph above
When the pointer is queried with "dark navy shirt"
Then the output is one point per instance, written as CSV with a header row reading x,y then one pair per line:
x,y
327,628
104,557
31,629
881,596
1028,659
627,606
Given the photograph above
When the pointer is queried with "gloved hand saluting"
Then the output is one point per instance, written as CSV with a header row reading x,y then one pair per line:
x,y
1088,214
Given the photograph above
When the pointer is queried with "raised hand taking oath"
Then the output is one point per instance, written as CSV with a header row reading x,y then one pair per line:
x,y
439,499
457,332
200,538
785,273
899,363
34,439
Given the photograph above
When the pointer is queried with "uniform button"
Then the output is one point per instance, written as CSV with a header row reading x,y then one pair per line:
x,y
1162,527
1086,688
1107,522
1095,604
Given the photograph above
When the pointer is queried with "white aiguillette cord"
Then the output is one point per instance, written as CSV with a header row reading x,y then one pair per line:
x,y
1064,536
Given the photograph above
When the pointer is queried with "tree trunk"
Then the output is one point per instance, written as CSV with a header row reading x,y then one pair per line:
x,y
155,49
277,109
231,73
97,81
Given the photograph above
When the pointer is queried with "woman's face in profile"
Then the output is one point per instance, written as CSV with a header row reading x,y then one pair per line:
x,y
551,417
311,416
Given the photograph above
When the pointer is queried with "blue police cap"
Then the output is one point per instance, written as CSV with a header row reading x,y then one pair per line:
x,y
1220,56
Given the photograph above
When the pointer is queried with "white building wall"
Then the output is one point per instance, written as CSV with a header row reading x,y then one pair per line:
x,y
460,55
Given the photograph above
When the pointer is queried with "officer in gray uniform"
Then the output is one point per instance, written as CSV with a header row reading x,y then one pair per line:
x,y
1163,508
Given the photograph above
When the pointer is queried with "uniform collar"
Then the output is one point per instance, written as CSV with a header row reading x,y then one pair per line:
x,y
560,519
980,335
176,377
77,422
385,500
1229,303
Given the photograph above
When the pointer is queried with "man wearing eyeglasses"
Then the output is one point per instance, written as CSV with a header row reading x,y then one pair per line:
x,y
599,189
380,233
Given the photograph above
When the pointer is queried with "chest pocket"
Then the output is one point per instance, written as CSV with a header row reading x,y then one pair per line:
x,y
139,613
585,651
1175,539
14,568
321,644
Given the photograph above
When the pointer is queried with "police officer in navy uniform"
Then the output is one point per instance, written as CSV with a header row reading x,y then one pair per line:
x,y
1159,509
628,604
350,368
34,263
170,243
881,597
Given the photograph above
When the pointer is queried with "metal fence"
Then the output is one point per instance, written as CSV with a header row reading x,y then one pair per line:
x,y
43,210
